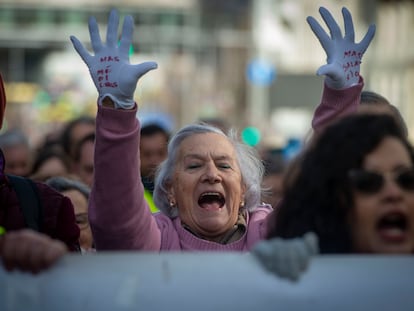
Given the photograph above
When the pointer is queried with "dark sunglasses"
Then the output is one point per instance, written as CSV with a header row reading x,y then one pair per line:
x,y
371,182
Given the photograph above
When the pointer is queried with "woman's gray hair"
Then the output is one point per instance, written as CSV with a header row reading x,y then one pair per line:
x,y
251,168
60,184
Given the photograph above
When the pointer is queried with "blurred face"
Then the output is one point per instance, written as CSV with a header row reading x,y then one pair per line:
x,y
52,167
80,131
18,160
207,185
382,220
84,168
80,205
153,150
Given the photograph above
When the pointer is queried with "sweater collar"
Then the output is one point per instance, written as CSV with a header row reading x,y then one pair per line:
x,y
232,235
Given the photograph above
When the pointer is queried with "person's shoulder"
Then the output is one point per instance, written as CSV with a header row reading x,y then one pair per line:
x,y
162,219
260,212
263,208
45,191
50,198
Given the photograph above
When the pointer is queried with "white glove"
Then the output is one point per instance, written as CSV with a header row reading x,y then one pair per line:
x,y
110,69
343,54
287,258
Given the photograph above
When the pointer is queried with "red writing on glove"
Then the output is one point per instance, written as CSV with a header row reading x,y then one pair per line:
x,y
105,59
352,53
103,75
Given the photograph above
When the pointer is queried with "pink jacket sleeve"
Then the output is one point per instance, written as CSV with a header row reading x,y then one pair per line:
x,y
119,215
336,104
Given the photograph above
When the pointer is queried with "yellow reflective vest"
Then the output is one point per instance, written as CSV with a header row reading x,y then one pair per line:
x,y
150,201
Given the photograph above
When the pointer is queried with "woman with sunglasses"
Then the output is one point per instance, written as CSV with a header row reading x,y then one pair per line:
x,y
353,187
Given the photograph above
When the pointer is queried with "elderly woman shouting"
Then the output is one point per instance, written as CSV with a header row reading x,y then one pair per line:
x,y
208,190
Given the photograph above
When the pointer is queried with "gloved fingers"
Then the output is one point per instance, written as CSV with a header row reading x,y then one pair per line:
x,y
312,243
288,266
94,35
264,251
112,29
280,263
319,32
298,259
349,25
367,38
331,23
126,38
143,68
261,250
303,254
83,53
285,258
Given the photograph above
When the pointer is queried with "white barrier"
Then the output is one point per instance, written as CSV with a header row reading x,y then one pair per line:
x,y
210,281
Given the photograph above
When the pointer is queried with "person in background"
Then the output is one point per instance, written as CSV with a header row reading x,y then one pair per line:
x,y
78,193
209,187
372,102
83,159
354,188
50,161
152,151
17,152
57,229
73,132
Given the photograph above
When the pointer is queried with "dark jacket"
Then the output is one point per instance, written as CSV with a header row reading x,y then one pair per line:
x,y
58,214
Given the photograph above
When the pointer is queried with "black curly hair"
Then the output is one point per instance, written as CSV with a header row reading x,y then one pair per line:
x,y
318,195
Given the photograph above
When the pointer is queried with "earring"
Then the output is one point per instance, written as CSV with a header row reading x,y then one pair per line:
x,y
172,204
242,204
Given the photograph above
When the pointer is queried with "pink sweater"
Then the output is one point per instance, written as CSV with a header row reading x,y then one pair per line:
x,y
119,215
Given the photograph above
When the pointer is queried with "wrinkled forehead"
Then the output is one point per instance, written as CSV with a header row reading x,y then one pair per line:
x,y
206,145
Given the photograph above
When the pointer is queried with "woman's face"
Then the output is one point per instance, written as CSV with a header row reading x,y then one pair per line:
x,y
207,185
382,221
80,205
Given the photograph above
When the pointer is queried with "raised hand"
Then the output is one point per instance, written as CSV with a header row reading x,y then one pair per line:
x,y
344,56
109,67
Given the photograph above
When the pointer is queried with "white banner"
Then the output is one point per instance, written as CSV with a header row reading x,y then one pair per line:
x,y
210,281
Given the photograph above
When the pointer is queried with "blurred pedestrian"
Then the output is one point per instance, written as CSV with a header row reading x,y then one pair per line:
x,y
17,152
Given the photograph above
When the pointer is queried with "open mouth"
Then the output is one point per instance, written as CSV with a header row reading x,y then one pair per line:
x,y
393,227
211,200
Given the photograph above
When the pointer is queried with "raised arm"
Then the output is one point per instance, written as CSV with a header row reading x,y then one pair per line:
x,y
343,83
119,215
